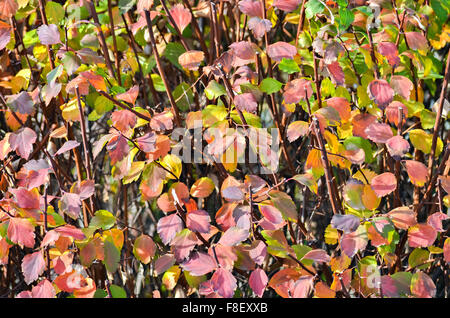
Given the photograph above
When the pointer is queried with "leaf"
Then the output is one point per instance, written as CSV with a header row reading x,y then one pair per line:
x,y
353,242
337,73
259,26
287,5
168,227
44,289
21,103
447,250
130,95
402,86
422,286
198,221
289,66
183,243
117,148
26,199
233,236
417,41
402,217
389,50
381,93
162,121
284,204
435,220
251,8
271,213
202,188
123,120
302,287
421,235
8,8
417,172
347,223
49,34
297,90
379,133
112,256
361,122
246,102
296,130
384,184
181,16
191,60
223,283
199,264
102,219
68,145
163,263
307,180
33,265
422,140
22,141
258,281
317,255
397,147
270,85
21,231
280,50
171,276
147,142
144,248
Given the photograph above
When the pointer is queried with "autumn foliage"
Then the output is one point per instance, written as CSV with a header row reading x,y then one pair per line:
x,y
224,148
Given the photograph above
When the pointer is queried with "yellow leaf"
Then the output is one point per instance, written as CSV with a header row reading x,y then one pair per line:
x,y
170,277
331,235
173,164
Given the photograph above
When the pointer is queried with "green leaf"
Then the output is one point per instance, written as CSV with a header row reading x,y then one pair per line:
x,y
283,202
54,74
184,96
362,143
55,12
427,119
158,83
126,5
417,257
440,12
270,85
172,52
422,141
103,219
100,293
289,66
346,18
112,256
313,7
300,251
103,105
117,291
214,90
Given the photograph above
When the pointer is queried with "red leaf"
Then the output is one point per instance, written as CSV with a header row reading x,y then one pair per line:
x,y
379,133
123,119
168,227
198,221
162,121
251,8
384,184
342,105
96,80
296,90
389,50
258,252
393,113
417,172
199,264
68,145
117,148
48,34
416,41
361,122
8,8
70,231
280,50
130,95
22,141
244,50
223,283
397,146
21,231
181,16
287,5
191,60
421,235
336,72
258,281
33,265
402,85
381,93
165,203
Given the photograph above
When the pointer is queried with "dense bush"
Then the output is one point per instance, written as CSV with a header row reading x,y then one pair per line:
x,y
249,148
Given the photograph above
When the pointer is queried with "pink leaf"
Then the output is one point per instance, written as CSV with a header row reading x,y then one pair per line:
x,y
271,213
70,204
44,289
379,133
183,243
435,220
26,199
422,286
223,283
232,193
162,121
402,85
181,16
68,145
416,41
22,141
191,60
347,223
353,242
163,263
258,281
296,90
393,112
280,50
123,119
168,227
287,5
417,172
147,142
21,231
258,252
130,95
233,236
397,147
246,101
259,26
380,92
421,235
117,148
85,189
48,34
199,264
33,265
389,50
50,238
144,248
337,73
198,221
302,287
447,250
384,184
251,8
70,231
318,255
403,217
361,122
297,129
